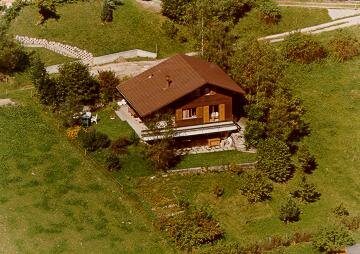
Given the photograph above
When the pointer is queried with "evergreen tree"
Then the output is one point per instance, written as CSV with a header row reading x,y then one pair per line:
x,y
306,191
289,211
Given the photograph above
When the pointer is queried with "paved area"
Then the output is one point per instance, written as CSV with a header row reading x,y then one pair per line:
x,y
326,5
329,26
6,102
154,5
342,13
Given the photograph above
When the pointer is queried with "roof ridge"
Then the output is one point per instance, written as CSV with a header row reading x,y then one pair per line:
x,y
196,71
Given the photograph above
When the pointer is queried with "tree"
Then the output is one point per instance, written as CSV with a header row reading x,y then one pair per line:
x,y
76,83
306,160
108,83
254,133
332,239
47,10
255,186
174,9
274,159
162,154
289,211
306,191
285,117
107,12
13,57
47,88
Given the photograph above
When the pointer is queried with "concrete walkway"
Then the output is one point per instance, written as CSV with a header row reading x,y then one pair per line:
x,y
329,26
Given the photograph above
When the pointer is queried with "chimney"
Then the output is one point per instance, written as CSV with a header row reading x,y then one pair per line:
x,y
168,81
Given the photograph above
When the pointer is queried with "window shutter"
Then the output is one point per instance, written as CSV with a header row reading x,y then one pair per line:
x,y
222,112
199,112
178,114
206,114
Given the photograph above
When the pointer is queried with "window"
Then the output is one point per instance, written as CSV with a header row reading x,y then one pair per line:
x,y
214,113
189,113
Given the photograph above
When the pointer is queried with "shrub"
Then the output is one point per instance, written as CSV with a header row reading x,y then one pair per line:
x,y
341,210
162,154
269,12
93,140
332,239
351,222
120,145
192,228
112,162
344,46
218,191
274,159
306,191
303,48
169,28
255,186
254,133
289,211
306,160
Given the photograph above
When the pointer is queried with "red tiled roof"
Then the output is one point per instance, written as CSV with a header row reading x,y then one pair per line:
x,y
171,80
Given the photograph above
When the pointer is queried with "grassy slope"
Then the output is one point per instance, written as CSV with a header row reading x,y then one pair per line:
x,y
80,26
292,18
49,57
53,199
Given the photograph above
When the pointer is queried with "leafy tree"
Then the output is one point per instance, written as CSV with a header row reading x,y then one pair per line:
x,y
108,83
270,12
303,48
289,211
169,28
258,67
13,57
255,186
285,117
47,10
332,239
47,88
306,191
254,133
306,160
162,153
174,9
93,140
274,159
76,83
107,12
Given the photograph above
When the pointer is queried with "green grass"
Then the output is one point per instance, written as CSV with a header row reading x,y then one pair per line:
x,y
54,199
49,57
292,19
80,26
218,158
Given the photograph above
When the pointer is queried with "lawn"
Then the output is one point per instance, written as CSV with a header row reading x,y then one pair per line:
x,y
292,18
49,57
54,199
80,26
331,95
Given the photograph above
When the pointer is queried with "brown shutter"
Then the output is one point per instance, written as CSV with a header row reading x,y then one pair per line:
x,y
206,114
222,112
199,112
178,116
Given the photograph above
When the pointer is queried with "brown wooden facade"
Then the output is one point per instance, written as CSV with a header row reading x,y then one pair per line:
x,y
205,105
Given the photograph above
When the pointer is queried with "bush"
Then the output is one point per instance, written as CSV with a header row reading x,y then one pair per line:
x,y
254,133
169,28
255,186
120,145
218,191
192,228
93,140
306,160
289,211
344,46
274,159
162,154
351,222
306,191
332,239
269,11
112,162
341,210
303,48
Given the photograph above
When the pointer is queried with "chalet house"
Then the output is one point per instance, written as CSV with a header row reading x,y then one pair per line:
x,y
202,99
